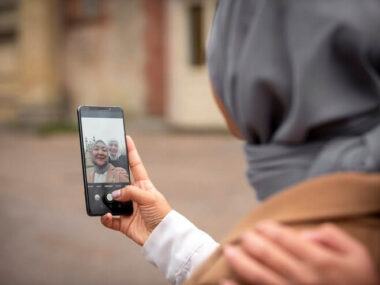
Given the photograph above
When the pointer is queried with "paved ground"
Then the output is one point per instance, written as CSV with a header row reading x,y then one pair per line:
x,y
46,236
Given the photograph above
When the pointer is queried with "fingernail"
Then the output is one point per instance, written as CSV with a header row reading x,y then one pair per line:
x,y
116,194
105,217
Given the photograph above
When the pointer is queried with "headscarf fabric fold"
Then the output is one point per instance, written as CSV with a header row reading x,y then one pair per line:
x,y
301,81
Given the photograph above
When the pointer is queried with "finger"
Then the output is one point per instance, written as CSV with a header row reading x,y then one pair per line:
x,y
132,193
333,237
111,222
292,242
249,269
273,256
228,282
135,163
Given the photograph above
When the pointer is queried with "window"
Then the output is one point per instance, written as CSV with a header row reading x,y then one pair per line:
x,y
8,21
8,5
197,48
84,11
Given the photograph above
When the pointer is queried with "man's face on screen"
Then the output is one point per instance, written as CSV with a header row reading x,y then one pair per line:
x,y
113,147
100,154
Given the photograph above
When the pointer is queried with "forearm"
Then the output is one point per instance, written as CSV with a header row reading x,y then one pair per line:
x,y
177,247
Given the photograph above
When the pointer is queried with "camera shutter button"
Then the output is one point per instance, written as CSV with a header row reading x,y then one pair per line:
x,y
109,197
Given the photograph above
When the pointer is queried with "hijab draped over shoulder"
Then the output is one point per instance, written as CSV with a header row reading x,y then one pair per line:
x,y
301,81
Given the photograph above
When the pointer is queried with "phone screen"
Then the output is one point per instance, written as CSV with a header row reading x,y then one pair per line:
x,y
105,150
104,157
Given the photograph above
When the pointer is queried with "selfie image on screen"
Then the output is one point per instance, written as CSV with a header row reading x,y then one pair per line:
x,y
105,150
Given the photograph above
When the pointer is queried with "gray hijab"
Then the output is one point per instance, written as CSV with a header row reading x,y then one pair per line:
x,y
301,81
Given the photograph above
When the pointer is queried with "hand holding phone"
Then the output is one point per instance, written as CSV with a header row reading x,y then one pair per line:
x,y
105,164
150,206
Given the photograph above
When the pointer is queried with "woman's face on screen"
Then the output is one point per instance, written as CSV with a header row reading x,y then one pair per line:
x,y
113,147
100,154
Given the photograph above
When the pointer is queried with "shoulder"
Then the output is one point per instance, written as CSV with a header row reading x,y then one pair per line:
x,y
90,171
90,174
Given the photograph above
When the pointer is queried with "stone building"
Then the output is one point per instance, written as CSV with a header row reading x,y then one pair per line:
x,y
147,56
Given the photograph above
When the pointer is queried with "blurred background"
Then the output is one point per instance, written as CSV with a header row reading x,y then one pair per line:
x,y
147,56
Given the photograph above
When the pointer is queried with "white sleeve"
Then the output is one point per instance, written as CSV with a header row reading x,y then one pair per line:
x,y
177,247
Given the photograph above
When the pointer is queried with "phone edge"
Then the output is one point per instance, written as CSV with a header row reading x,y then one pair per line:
x,y
88,209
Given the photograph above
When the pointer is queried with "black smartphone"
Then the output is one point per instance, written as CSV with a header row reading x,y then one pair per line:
x,y
104,158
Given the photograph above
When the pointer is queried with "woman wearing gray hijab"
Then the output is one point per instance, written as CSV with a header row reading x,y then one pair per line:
x,y
299,82
116,158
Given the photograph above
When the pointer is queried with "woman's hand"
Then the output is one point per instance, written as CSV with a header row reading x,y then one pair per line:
x,y
149,205
275,254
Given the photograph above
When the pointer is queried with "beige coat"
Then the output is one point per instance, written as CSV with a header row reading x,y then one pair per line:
x,y
349,200
114,175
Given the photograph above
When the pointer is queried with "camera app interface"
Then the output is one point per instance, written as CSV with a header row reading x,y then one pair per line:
x,y
105,152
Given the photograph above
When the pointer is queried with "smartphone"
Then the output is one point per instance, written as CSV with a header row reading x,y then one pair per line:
x,y
104,158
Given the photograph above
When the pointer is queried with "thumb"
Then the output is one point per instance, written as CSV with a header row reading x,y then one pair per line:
x,y
133,193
